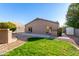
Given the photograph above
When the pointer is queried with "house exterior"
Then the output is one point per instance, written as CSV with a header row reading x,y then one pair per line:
x,y
42,26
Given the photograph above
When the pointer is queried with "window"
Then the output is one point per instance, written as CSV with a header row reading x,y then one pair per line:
x,y
30,29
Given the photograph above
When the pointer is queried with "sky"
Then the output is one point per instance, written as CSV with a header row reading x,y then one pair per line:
x,y
26,12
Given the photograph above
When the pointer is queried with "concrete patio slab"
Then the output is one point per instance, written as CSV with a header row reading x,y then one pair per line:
x,y
24,36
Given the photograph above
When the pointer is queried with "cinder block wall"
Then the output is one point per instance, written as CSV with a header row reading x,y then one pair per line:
x,y
6,36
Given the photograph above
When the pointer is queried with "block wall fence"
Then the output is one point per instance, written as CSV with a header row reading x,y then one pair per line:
x,y
6,36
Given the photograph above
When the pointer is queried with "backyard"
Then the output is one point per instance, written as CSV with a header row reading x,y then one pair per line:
x,y
44,47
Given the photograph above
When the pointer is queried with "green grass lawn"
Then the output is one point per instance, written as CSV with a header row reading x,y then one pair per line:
x,y
44,47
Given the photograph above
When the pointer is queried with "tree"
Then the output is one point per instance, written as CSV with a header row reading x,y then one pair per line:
x,y
8,25
72,16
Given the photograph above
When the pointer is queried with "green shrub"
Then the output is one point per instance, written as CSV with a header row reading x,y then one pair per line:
x,y
8,25
59,32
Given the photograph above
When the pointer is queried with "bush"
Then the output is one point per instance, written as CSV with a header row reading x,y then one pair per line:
x,y
59,32
8,25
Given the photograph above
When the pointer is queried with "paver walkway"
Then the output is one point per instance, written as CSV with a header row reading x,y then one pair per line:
x,y
10,46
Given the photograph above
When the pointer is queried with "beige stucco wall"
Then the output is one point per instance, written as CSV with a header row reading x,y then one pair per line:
x,y
6,36
39,27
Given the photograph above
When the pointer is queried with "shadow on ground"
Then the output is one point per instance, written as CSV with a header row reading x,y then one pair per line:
x,y
38,38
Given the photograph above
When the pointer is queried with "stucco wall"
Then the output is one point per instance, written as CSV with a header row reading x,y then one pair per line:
x,y
76,32
6,36
39,27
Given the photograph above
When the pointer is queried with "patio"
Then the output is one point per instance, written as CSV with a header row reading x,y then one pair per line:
x,y
24,36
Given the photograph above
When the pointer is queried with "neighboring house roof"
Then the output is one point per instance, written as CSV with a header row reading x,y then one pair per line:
x,y
43,20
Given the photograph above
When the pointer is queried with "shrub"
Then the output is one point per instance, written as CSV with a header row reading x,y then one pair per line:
x,y
59,32
8,25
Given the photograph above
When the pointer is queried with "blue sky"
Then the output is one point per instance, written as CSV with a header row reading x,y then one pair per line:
x,y
26,12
